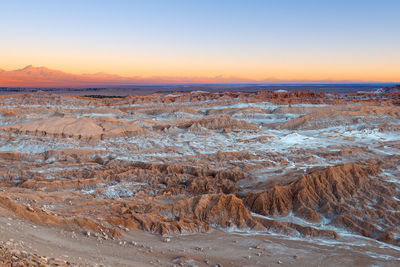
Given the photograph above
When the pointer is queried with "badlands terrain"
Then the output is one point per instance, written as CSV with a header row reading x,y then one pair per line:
x,y
201,179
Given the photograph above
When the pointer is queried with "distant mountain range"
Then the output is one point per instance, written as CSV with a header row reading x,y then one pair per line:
x,y
31,76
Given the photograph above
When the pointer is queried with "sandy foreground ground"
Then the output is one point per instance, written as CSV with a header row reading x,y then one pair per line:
x,y
216,248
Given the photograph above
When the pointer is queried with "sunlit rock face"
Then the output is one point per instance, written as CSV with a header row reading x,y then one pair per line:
x,y
295,163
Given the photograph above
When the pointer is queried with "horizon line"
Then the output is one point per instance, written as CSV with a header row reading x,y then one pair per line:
x,y
44,77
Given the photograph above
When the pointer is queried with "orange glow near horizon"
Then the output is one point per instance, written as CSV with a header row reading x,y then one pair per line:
x,y
257,67
279,73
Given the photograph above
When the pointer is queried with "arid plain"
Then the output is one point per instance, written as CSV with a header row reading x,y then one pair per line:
x,y
201,179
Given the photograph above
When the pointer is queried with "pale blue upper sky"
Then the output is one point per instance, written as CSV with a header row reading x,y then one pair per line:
x,y
284,39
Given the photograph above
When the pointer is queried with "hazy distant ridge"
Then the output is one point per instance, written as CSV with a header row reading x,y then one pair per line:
x,y
31,76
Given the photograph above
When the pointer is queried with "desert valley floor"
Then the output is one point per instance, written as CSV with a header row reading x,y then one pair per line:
x,y
200,179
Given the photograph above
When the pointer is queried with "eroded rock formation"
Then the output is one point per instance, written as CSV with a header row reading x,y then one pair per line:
x,y
192,162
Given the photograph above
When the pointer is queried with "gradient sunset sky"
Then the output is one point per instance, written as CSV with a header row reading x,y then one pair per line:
x,y
356,40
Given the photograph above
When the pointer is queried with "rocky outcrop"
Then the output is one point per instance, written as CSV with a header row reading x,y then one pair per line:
x,y
40,216
346,195
80,128
199,214
10,256
217,122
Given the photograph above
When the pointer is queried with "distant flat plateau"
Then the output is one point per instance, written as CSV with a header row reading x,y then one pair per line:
x,y
169,88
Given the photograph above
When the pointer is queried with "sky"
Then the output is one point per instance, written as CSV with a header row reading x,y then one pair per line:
x,y
352,40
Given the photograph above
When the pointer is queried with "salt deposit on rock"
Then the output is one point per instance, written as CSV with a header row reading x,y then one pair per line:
x,y
81,128
294,164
